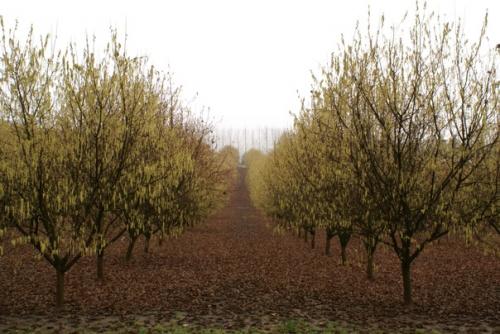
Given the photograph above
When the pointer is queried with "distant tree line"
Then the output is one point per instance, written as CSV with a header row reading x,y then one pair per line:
x,y
244,139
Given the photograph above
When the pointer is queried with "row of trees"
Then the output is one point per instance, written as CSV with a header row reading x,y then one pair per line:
x,y
96,147
400,145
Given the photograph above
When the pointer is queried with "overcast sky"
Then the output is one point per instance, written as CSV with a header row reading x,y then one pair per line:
x,y
248,61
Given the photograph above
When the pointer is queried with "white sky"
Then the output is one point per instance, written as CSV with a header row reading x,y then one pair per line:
x,y
249,61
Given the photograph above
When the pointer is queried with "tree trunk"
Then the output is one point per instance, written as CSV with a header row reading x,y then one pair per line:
x,y
130,249
146,244
299,233
406,270
100,265
305,234
328,244
343,254
313,239
59,289
370,247
369,265
100,242
344,240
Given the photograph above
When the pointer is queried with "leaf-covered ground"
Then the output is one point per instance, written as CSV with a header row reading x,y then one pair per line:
x,y
233,272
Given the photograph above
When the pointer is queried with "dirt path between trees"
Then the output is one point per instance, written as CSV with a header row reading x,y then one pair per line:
x,y
235,272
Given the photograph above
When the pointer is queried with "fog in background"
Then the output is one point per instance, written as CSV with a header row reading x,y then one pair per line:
x,y
243,64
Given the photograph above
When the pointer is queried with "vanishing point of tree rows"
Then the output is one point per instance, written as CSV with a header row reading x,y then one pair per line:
x,y
96,147
400,146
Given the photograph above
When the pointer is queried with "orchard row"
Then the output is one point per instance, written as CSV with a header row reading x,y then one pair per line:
x,y
96,147
400,145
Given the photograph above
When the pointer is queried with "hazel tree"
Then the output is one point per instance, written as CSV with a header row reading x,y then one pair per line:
x,y
106,103
39,193
354,202
147,192
5,142
190,180
425,119
325,169
76,172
